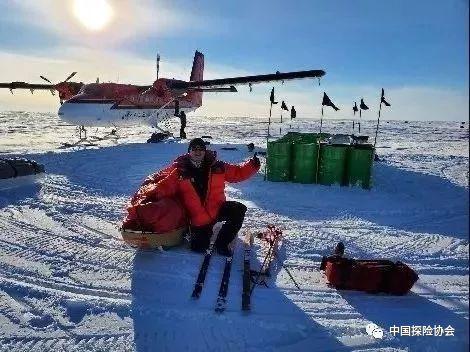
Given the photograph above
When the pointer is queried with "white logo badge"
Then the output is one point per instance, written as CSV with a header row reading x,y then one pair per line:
x,y
375,331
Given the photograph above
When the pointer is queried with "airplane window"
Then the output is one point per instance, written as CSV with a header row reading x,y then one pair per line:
x,y
90,89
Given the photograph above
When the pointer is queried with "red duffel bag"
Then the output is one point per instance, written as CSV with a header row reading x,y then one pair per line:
x,y
152,222
371,276
162,223
160,216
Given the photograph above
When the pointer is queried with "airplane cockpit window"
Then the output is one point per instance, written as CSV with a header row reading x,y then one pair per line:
x,y
89,89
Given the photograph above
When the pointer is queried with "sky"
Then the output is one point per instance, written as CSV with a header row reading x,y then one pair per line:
x,y
416,50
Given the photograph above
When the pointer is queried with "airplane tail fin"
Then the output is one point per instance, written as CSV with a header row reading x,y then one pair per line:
x,y
197,74
198,67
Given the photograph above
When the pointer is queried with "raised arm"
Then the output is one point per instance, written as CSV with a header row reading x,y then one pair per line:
x,y
238,173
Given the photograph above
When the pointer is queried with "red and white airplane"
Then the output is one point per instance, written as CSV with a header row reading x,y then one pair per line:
x,y
114,104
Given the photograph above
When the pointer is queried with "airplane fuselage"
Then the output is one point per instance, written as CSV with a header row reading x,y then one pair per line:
x,y
112,104
105,114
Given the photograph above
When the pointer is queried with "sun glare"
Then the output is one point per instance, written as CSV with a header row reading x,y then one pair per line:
x,y
93,14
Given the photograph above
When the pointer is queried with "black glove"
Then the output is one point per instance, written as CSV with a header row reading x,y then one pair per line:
x,y
256,160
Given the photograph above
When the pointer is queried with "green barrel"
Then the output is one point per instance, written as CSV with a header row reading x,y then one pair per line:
x,y
308,138
278,161
332,164
359,165
304,165
311,137
290,137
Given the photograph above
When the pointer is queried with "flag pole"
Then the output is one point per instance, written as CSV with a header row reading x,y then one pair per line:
x,y
267,141
318,146
269,122
378,121
321,120
360,118
354,116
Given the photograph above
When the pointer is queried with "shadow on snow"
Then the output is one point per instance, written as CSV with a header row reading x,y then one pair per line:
x,y
412,310
400,199
166,318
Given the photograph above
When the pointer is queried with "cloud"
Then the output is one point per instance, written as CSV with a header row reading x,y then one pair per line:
x,y
408,102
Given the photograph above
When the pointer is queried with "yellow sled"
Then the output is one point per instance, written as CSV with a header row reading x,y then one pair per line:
x,y
149,240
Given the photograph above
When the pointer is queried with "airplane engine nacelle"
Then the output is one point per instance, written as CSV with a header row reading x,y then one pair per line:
x,y
160,88
68,89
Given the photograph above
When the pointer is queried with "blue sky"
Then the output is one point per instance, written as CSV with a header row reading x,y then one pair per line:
x,y
417,50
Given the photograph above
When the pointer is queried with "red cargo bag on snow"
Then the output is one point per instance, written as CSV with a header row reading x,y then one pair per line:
x,y
372,276
151,223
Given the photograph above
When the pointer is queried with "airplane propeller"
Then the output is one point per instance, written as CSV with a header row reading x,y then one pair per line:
x,y
52,90
70,76
66,80
44,78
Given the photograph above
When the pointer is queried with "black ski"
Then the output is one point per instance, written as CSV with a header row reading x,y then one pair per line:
x,y
223,290
246,293
204,266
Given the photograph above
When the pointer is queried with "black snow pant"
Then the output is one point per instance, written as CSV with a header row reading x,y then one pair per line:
x,y
182,133
233,214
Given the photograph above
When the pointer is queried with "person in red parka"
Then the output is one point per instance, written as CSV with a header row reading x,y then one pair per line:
x,y
198,179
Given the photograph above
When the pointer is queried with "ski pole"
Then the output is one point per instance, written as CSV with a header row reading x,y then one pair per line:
x,y
272,243
288,272
261,270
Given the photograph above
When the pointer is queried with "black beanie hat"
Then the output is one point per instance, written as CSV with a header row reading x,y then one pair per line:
x,y
196,142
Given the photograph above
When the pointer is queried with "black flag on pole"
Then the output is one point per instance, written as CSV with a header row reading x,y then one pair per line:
x,y
355,109
293,113
382,99
326,101
271,97
284,106
363,106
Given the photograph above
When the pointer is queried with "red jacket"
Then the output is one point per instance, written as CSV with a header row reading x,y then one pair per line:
x,y
178,182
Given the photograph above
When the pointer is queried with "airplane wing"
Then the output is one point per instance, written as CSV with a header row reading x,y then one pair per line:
x,y
223,82
24,85
216,89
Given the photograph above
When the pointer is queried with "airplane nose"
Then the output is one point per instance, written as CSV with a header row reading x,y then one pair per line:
x,y
78,113
61,110
66,112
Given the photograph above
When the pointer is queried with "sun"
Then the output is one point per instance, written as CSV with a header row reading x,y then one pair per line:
x,y
93,14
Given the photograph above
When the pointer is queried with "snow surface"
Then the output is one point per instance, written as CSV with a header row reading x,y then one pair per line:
x,y
69,283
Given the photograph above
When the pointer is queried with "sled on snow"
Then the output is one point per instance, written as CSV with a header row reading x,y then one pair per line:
x,y
151,240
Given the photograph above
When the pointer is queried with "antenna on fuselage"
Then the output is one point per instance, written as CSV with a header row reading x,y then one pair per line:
x,y
158,64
